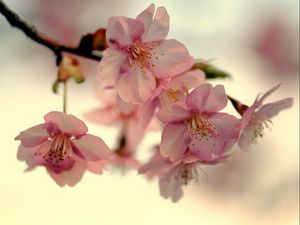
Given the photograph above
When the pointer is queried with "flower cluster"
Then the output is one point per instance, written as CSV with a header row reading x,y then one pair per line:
x,y
151,80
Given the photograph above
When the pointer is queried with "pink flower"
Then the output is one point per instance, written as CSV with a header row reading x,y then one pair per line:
x,y
138,54
174,175
62,145
171,91
257,117
199,126
116,111
177,88
124,159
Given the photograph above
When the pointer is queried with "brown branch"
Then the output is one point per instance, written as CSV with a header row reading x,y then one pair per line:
x,y
30,31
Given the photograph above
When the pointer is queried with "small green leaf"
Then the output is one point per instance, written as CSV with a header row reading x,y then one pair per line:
x,y
211,71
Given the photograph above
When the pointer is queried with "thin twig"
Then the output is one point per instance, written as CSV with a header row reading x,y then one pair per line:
x,y
30,31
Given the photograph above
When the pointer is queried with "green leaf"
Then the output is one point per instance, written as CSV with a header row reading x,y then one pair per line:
x,y
211,71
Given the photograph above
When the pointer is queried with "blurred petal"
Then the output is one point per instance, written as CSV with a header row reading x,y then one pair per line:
x,y
147,112
169,186
104,116
134,134
96,166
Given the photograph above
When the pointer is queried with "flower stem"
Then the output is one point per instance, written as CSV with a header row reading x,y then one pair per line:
x,y
65,97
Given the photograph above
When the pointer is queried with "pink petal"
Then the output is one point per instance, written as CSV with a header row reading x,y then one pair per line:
x,y
96,166
123,31
157,167
174,112
269,92
197,98
227,126
147,16
247,116
92,148
147,112
245,139
126,108
70,177
34,135
31,154
170,58
174,141
58,166
188,80
67,123
169,186
272,109
104,116
207,99
109,67
156,28
204,148
136,86
134,134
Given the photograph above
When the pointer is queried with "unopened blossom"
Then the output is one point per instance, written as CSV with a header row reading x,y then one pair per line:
x,y
139,54
173,176
256,118
198,125
62,145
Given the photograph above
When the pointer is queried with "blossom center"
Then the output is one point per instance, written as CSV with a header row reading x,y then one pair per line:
x,y
186,173
173,95
59,154
199,127
140,55
259,128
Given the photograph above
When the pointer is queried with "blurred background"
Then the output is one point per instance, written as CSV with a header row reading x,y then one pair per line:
x,y
257,41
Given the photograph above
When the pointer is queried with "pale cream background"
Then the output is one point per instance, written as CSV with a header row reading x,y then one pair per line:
x,y
256,187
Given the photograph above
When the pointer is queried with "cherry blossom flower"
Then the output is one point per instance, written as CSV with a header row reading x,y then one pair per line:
x,y
62,145
171,91
116,111
138,55
174,175
198,125
257,117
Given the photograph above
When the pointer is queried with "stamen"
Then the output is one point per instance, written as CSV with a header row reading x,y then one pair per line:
x,y
259,128
172,95
59,151
199,127
186,173
139,55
